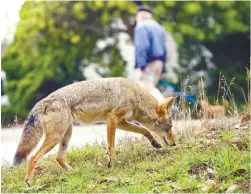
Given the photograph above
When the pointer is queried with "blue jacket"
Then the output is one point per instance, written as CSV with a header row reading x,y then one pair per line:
x,y
149,41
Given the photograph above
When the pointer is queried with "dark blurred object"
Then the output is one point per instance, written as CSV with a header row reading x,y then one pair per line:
x,y
231,55
139,3
134,24
144,8
2,92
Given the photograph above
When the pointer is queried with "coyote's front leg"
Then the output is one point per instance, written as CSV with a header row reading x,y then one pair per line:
x,y
114,117
127,126
112,122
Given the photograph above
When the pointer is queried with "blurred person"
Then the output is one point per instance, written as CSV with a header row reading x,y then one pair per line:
x,y
150,50
150,53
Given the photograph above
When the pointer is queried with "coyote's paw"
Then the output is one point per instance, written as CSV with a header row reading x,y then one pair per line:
x,y
109,165
68,168
156,144
28,182
110,158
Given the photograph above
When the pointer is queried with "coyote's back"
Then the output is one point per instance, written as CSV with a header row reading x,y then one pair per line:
x,y
97,95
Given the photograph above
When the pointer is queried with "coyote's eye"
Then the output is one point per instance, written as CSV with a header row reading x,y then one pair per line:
x,y
165,124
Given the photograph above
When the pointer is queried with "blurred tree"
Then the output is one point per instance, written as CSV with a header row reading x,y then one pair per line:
x,y
55,41
231,56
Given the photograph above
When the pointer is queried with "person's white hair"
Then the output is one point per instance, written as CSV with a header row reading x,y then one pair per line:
x,y
142,15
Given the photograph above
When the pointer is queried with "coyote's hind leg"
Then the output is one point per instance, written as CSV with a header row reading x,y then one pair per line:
x,y
63,145
55,123
49,142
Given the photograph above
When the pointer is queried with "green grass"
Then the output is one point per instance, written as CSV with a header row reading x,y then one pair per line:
x,y
211,161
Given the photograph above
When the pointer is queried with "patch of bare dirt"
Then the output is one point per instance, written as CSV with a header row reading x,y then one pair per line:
x,y
241,145
204,168
245,186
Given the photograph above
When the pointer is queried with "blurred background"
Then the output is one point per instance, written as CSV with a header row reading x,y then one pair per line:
x,y
46,45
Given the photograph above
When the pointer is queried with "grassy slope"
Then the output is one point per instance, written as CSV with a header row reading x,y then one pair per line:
x,y
210,161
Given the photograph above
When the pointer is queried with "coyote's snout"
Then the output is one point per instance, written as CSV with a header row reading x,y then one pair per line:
x,y
114,100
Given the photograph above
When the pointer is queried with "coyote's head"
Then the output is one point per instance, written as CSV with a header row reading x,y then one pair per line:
x,y
163,125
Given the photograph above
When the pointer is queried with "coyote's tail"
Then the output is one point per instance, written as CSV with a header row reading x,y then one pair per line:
x,y
32,133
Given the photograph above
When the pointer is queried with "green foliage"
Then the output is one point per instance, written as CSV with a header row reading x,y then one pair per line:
x,y
9,115
202,21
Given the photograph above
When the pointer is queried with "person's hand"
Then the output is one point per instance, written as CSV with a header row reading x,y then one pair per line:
x,y
162,75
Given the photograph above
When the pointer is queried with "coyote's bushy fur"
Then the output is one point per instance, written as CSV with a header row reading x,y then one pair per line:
x,y
114,100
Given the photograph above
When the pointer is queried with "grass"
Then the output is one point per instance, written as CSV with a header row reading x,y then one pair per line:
x,y
209,160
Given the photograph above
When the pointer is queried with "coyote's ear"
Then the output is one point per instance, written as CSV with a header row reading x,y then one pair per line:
x,y
164,107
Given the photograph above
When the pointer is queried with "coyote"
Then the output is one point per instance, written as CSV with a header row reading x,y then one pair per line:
x,y
114,100
212,111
